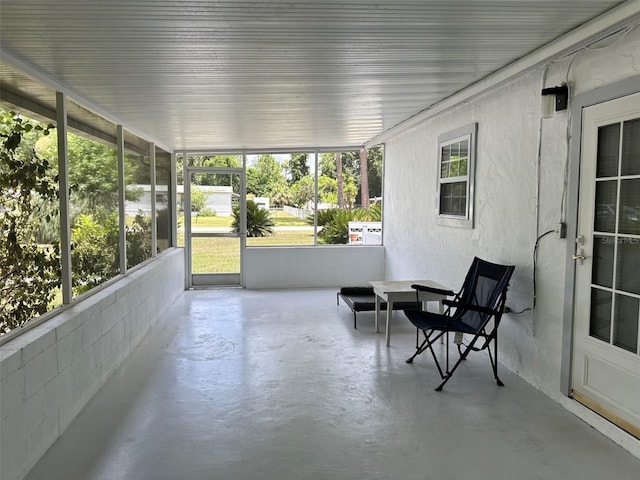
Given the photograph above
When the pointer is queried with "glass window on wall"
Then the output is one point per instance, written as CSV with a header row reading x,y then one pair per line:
x,y
163,199
29,215
137,209
93,199
280,199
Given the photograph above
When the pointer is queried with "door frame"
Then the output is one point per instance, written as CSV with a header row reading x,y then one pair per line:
x,y
214,279
613,91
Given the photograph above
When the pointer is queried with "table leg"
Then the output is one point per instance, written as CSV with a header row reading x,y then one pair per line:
x,y
377,314
389,313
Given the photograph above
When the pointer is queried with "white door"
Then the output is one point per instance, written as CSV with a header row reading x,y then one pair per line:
x,y
606,359
213,246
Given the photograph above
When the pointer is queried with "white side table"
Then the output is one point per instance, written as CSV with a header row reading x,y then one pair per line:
x,y
392,291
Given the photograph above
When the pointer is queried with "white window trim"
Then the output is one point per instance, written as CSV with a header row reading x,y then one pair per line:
x,y
470,132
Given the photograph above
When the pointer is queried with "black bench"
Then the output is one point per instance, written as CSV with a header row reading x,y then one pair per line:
x,y
362,299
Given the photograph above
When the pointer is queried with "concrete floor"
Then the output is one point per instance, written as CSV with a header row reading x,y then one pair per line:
x,y
236,384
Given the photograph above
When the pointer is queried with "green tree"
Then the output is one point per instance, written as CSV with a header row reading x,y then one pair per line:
x,y
198,199
297,167
327,165
29,272
302,191
138,240
349,192
217,161
264,176
340,179
94,251
328,190
93,174
364,179
280,195
374,172
94,201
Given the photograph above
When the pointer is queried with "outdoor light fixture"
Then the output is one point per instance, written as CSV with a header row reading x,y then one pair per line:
x,y
554,98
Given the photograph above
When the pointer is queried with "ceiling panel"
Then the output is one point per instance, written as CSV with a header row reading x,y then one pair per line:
x,y
233,74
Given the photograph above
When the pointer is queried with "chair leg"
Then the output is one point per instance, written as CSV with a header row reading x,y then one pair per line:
x,y
428,344
419,349
494,360
354,319
458,362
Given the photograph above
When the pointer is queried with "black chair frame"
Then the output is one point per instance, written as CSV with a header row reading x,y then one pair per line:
x,y
469,312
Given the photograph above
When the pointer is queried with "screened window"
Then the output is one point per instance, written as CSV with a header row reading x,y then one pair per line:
x,y
456,156
42,266
137,177
163,199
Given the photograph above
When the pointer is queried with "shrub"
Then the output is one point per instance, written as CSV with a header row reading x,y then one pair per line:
x,y
259,222
29,272
94,252
335,222
138,237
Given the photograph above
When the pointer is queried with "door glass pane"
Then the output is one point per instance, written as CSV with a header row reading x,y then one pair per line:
x,y
215,241
631,148
628,265
602,265
606,199
213,197
625,327
600,321
630,207
215,255
608,151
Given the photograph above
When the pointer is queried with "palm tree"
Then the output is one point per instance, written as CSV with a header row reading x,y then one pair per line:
x,y
259,223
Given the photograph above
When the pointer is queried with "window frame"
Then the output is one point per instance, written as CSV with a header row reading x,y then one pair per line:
x,y
468,132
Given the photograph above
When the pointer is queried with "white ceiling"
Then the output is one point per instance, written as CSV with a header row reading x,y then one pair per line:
x,y
192,74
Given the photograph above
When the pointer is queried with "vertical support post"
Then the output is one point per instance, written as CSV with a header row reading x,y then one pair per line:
x,y
121,199
173,201
315,198
243,219
154,219
186,219
63,183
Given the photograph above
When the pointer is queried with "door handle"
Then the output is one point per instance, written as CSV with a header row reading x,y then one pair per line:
x,y
578,256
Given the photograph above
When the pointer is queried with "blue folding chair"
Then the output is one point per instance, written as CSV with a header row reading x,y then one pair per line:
x,y
476,310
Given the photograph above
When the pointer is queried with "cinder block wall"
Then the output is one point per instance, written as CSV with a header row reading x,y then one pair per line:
x,y
48,374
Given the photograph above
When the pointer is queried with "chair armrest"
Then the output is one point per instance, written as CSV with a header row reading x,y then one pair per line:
x,y
469,306
440,291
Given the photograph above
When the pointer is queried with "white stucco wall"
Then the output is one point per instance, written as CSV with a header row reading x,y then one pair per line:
x,y
510,209
308,267
49,373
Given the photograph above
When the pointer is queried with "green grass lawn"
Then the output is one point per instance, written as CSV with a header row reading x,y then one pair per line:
x,y
280,219
222,254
